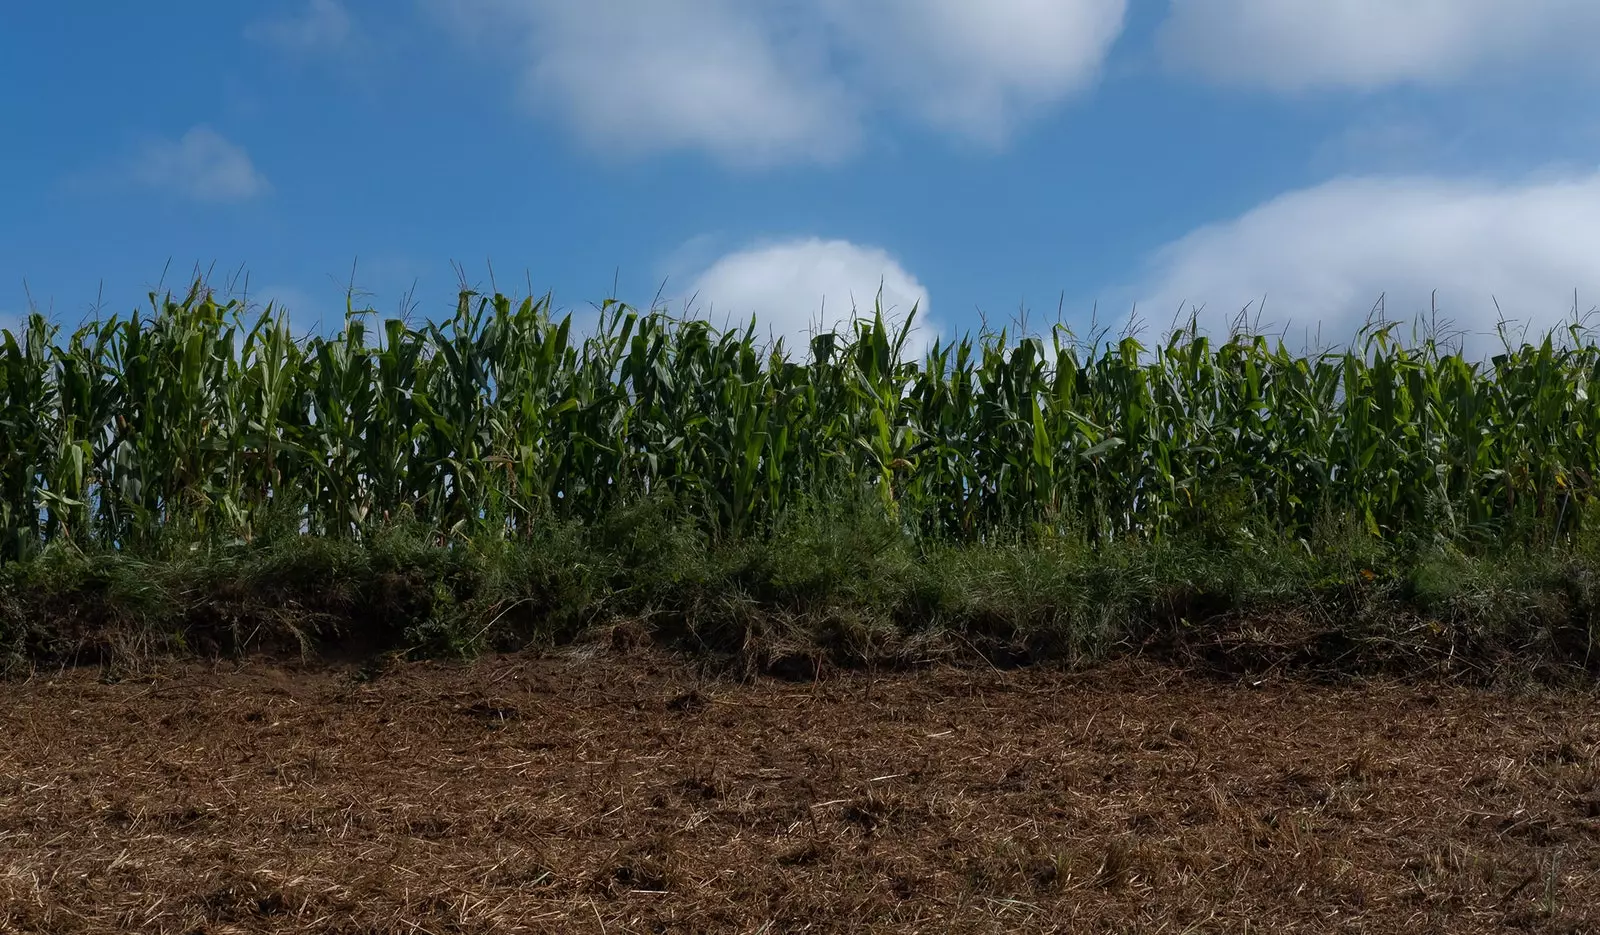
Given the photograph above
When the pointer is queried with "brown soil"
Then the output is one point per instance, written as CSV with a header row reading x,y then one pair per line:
x,y
622,793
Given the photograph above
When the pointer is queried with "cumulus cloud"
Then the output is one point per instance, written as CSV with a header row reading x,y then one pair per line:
x,y
323,26
1322,257
202,166
768,81
648,74
974,69
800,287
1294,45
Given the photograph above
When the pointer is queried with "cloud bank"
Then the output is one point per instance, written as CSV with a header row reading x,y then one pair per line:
x,y
759,82
1295,45
1323,256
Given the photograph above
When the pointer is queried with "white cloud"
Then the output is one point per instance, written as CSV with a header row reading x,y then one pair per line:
x,y
673,73
324,26
759,82
976,68
201,166
1323,256
1296,45
798,287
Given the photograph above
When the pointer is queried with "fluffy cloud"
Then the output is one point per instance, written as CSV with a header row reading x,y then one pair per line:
x,y
797,288
768,81
201,166
648,74
1322,257
1293,45
324,26
974,69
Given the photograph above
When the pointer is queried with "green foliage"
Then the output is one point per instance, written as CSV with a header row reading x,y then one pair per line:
x,y
191,424
848,584
505,472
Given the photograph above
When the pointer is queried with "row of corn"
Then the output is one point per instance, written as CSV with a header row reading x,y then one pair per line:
x,y
195,421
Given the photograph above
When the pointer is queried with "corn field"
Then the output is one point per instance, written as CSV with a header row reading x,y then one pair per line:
x,y
197,421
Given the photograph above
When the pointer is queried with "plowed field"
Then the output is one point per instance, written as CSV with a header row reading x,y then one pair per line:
x,y
622,792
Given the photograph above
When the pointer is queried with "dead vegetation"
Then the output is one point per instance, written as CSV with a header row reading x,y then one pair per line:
x,y
622,792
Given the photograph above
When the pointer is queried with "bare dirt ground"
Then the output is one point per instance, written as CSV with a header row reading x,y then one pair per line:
x,y
623,793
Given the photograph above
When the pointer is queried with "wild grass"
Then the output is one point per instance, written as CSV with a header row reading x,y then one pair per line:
x,y
839,588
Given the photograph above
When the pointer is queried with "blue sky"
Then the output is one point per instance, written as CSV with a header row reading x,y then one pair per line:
x,y
783,156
